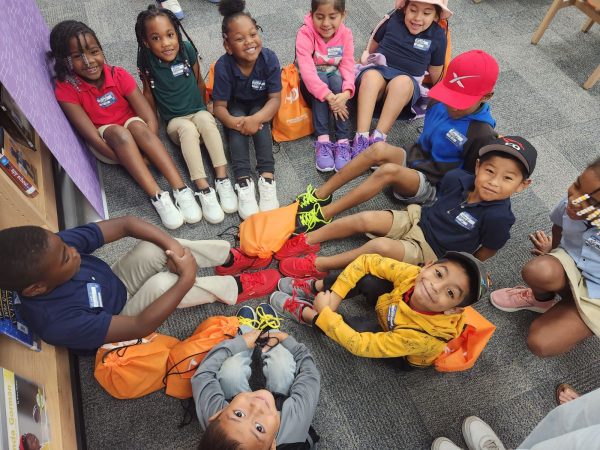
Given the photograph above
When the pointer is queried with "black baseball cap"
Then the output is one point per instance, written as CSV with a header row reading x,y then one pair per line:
x,y
516,146
478,276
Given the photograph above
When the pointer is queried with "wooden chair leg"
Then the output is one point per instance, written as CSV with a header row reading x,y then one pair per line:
x,y
587,25
593,79
556,5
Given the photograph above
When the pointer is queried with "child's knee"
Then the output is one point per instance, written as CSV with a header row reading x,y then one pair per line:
x,y
387,173
118,137
379,245
379,152
540,271
538,341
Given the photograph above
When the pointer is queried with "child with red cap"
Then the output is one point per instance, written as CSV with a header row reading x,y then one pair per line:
x,y
455,129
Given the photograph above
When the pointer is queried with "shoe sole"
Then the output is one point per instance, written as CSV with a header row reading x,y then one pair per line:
x,y
523,308
325,170
214,222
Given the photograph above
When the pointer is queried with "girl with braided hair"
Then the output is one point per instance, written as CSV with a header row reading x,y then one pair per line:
x,y
106,107
172,82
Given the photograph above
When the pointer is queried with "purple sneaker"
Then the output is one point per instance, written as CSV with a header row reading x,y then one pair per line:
x,y
324,156
361,143
373,139
342,155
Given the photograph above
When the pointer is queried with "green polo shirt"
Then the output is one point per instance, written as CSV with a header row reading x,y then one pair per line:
x,y
175,90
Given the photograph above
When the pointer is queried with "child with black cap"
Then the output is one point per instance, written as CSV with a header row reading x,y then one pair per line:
x,y
472,214
419,309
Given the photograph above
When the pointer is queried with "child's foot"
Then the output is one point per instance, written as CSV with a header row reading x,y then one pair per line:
x,y
564,391
443,443
247,316
324,156
301,288
267,192
308,199
296,246
479,435
246,194
303,267
360,144
286,305
213,213
173,6
310,220
240,262
227,197
343,155
519,298
170,216
258,284
187,204
267,317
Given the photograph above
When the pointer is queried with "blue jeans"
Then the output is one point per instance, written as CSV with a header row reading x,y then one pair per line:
x,y
321,110
239,145
279,369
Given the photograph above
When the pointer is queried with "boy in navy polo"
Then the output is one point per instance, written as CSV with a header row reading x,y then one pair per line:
x,y
472,214
73,299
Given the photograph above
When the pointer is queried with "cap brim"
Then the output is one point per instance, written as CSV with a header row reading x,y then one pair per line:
x,y
505,149
452,98
476,285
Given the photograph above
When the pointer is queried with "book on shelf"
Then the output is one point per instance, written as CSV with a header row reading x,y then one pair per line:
x,y
23,414
13,325
14,163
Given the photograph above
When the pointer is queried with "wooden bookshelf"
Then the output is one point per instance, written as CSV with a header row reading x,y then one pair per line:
x,y
49,367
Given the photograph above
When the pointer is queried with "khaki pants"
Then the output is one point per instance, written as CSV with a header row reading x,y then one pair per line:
x,y
142,270
187,131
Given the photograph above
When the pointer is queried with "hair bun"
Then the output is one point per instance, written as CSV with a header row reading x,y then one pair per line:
x,y
231,7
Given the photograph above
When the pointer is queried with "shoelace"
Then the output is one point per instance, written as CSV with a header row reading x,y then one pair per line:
x,y
185,198
325,149
249,322
266,320
490,445
344,151
303,285
307,197
268,191
295,307
227,189
208,198
522,292
310,219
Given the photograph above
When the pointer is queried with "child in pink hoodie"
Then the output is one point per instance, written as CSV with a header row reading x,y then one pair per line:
x,y
325,55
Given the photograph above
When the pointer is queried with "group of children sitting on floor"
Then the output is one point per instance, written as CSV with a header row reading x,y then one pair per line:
x,y
422,266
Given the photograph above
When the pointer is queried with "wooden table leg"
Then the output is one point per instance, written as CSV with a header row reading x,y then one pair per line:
x,y
593,79
587,25
556,5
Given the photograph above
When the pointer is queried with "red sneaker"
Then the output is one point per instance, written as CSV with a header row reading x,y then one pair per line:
x,y
301,267
258,284
242,263
296,246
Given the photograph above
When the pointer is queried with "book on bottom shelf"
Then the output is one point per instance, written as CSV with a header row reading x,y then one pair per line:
x,y
13,325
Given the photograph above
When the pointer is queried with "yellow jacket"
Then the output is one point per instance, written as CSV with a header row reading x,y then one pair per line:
x,y
420,337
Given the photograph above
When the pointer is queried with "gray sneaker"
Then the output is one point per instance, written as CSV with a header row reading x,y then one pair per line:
x,y
286,305
300,288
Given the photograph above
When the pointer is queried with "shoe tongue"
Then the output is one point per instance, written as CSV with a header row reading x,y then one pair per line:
x,y
244,182
487,443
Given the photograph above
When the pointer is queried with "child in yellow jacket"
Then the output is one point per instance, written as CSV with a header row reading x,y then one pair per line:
x,y
418,309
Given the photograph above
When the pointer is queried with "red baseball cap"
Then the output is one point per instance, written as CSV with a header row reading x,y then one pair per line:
x,y
470,76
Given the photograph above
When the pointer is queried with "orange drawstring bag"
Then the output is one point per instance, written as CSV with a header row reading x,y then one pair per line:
x,y
462,351
132,369
185,357
209,84
264,233
293,120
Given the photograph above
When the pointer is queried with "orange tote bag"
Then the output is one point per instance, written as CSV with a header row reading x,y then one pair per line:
x,y
462,352
186,356
293,120
132,369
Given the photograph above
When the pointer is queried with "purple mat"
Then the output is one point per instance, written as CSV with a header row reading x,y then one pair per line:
x,y
25,74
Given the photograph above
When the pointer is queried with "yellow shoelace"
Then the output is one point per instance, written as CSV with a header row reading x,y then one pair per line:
x,y
267,320
253,323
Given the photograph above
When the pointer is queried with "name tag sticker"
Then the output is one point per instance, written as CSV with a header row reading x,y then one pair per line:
x,y
259,85
334,52
456,137
177,69
466,220
94,295
422,44
391,316
593,241
106,100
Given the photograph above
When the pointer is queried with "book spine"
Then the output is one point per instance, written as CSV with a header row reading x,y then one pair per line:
x,y
17,177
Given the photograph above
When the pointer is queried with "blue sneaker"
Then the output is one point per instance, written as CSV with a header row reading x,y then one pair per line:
x,y
343,155
247,316
173,6
267,317
360,144
324,156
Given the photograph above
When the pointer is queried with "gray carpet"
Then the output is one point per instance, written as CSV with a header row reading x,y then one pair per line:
x,y
370,404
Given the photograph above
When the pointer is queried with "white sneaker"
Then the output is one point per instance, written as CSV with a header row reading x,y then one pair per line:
x,y
187,204
174,7
169,214
210,206
227,197
479,435
443,443
268,195
246,199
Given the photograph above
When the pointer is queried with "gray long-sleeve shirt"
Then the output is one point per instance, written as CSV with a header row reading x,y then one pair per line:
x,y
297,411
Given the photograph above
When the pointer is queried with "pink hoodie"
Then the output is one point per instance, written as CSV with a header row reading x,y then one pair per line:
x,y
312,50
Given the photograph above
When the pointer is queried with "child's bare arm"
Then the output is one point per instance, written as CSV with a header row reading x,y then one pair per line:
x,y
143,109
82,123
124,328
556,236
484,253
198,75
220,111
435,73
147,91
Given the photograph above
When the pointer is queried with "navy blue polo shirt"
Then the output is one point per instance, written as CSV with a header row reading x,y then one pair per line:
x,y
77,314
453,224
410,53
231,85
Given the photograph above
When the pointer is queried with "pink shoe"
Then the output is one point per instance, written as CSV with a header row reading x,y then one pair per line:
x,y
519,298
